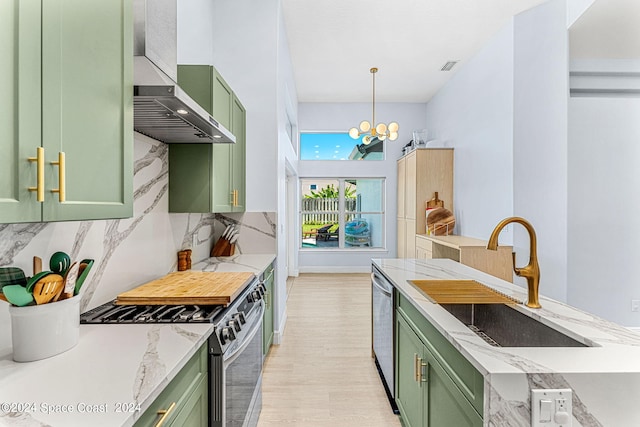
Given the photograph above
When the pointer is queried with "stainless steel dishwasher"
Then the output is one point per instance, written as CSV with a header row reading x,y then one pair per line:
x,y
383,327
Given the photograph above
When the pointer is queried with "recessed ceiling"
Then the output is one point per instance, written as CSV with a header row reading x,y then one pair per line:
x,y
334,43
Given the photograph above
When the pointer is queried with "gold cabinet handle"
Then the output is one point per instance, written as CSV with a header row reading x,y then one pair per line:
x,y
266,300
39,188
165,413
424,373
62,182
233,197
416,367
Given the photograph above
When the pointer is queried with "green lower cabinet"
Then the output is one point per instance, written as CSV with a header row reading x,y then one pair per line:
x,y
267,326
425,393
185,401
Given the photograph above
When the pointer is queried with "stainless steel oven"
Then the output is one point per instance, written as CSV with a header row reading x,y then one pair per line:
x,y
236,374
235,348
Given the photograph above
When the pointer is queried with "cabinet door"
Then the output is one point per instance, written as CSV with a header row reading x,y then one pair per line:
x,y
196,81
87,108
409,390
20,112
238,186
446,405
402,238
410,237
195,412
267,328
222,100
401,186
411,186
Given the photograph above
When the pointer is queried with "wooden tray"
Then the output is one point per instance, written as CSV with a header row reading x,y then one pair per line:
x,y
188,287
461,292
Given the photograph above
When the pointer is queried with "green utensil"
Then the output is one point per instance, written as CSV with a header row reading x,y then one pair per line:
x,y
12,276
83,274
32,280
17,295
59,263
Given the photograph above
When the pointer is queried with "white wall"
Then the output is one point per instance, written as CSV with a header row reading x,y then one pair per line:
x,y
341,117
474,114
541,87
195,32
604,206
245,52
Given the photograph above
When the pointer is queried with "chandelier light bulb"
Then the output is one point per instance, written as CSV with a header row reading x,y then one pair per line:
x,y
365,126
393,136
382,137
366,140
353,133
381,129
393,127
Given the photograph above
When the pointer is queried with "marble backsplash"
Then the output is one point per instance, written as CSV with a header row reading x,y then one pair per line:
x,y
132,251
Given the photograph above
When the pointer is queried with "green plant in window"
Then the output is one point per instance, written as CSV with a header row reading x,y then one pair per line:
x,y
331,192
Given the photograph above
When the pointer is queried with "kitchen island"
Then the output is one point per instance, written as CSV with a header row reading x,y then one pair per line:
x,y
604,375
113,374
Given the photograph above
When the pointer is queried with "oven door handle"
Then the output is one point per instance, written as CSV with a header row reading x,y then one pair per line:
x,y
247,338
378,285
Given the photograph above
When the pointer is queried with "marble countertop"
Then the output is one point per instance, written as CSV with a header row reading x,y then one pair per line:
x,y
255,263
111,365
612,348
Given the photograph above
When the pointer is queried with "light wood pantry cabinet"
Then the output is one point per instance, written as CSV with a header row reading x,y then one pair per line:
x,y
421,173
209,177
467,251
66,114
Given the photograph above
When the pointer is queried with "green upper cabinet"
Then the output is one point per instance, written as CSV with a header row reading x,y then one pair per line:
x,y
209,177
74,99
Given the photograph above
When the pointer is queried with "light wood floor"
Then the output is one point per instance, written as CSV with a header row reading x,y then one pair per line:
x,y
322,375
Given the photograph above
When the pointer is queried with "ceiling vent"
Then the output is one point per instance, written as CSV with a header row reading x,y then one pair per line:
x,y
448,66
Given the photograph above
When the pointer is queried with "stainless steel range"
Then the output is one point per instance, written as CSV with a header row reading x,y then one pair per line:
x,y
235,348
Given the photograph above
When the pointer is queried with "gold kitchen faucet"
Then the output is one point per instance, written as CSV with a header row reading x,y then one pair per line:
x,y
532,270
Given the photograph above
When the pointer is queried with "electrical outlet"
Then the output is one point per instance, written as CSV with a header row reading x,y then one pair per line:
x,y
635,305
551,408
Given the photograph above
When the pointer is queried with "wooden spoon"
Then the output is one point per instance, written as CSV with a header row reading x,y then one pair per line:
x,y
47,288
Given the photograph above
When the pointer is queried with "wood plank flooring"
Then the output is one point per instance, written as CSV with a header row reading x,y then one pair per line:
x,y
323,374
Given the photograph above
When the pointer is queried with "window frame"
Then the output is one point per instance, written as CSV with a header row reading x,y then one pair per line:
x,y
342,213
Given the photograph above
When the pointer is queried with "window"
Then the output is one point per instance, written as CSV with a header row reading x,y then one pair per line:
x,y
338,146
342,213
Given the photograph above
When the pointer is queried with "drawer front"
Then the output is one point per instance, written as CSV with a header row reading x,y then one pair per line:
x,y
179,390
460,370
424,244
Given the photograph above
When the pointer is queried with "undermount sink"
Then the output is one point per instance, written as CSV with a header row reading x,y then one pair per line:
x,y
502,326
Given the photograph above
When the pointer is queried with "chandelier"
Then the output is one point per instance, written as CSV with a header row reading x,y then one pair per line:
x,y
371,130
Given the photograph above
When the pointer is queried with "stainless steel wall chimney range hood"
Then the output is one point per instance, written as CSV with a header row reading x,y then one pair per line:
x,y
161,110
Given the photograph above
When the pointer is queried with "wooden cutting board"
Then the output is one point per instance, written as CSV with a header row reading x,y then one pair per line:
x,y
188,287
461,292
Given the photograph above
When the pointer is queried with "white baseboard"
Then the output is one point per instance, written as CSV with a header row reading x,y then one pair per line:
x,y
335,269
294,273
277,335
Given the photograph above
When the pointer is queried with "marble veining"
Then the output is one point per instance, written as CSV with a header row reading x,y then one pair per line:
x,y
151,369
505,412
14,238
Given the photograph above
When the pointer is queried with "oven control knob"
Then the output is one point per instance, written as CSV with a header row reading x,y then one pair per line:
x,y
226,335
239,317
256,296
234,324
262,289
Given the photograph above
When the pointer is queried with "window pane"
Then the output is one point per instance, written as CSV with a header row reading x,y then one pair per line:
x,y
363,230
338,146
320,212
364,195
